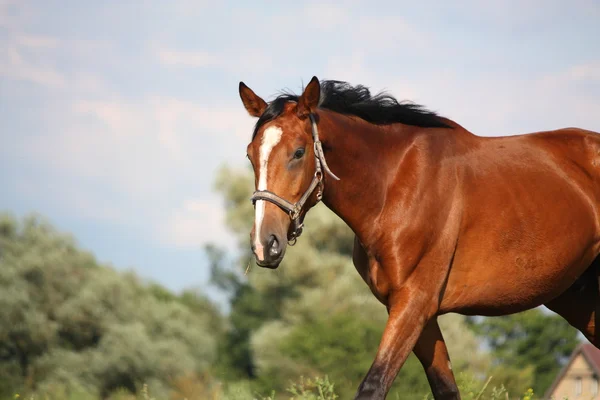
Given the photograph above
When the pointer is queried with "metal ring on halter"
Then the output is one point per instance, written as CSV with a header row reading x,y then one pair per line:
x,y
294,214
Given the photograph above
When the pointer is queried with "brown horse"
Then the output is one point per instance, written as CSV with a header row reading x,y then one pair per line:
x,y
445,221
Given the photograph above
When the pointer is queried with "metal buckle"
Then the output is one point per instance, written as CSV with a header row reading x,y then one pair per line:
x,y
296,234
319,176
294,214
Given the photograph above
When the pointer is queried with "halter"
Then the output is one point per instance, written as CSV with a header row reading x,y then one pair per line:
x,y
294,209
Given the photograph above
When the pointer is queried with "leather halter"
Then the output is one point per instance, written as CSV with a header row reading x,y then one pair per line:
x,y
294,209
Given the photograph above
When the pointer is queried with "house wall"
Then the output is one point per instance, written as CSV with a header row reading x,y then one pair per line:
x,y
566,388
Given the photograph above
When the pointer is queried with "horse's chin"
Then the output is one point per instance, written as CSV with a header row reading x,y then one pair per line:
x,y
271,264
268,265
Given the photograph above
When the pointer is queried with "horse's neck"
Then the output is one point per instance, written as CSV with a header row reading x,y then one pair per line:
x,y
356,153
367,157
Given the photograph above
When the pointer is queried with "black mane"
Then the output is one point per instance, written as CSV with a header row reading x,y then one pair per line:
x,y
341,97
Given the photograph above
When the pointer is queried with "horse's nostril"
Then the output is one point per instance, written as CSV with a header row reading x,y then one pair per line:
x,y
273,246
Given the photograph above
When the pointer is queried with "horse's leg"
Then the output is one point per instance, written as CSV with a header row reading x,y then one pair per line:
x,y
432,352
580,304
408,309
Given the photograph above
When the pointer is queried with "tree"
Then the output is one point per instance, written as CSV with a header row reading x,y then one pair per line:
x,y
69,323
531,338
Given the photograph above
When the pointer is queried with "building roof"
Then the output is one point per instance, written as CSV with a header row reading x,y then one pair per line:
x,y
591,355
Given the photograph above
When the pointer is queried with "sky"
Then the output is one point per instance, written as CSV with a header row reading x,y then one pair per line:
x,y
116,115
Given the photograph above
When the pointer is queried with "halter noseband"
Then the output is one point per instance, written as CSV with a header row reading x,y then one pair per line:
x,y
294,209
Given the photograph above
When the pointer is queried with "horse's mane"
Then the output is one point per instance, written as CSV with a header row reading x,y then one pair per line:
x,y
379,109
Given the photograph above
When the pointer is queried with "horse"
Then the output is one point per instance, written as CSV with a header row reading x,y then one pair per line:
x,y
444,220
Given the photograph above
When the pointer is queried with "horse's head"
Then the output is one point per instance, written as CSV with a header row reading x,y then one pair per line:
x,y
287,172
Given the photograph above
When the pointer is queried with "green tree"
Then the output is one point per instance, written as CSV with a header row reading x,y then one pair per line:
x,y
531,338
69,324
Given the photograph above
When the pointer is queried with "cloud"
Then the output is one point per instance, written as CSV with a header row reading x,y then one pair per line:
x,y
585,72
35,58
14,65
194,223
389,31
14,14
324,17
24,56
145,154
233,60
133,162
36,41
123,142
77,199
189,8
196,59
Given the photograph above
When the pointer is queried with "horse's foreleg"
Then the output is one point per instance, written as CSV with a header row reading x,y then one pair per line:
x,y
408,311
432,352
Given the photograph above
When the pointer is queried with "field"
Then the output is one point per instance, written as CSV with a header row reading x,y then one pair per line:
x,y
304,389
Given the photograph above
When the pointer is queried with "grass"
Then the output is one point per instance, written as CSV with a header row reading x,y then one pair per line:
x,y
318,388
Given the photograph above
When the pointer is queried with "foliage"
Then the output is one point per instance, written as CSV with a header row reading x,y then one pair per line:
x,y
317,388
532,338
70,325
313,389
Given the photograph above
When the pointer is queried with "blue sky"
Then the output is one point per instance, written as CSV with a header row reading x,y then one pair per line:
x,y
115,115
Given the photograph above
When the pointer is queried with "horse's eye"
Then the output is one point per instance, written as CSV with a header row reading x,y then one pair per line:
x,y
299,153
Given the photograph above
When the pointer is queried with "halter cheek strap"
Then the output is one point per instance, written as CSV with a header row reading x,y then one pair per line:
x,y
294,209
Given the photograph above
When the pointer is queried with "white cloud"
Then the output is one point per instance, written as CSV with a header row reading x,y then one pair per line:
x,y
389,31
586,72
196,59
14,13
325,17
36,41
124,142
24,56
187,8
150,149
194,223
34,58
14,65
234,60
146,155
350,68
78,200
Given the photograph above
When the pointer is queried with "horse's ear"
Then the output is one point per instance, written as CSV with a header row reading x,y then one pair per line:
x,y
309,101
253,103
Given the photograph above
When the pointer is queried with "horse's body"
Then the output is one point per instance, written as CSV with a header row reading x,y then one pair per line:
x,y
512,220
447,221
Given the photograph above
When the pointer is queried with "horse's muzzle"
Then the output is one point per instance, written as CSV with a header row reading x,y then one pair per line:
x,y
273,253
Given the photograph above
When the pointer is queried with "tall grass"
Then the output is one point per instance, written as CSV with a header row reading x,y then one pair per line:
x,y
318,388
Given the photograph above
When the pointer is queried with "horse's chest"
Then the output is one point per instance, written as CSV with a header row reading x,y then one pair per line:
x,y
377,280
372,273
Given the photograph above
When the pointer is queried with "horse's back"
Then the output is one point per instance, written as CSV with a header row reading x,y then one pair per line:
x,y
530,207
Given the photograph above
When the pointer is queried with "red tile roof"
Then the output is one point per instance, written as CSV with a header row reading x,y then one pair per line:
x,y
592,356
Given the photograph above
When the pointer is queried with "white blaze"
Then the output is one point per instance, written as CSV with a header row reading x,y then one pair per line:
x,y
271,136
